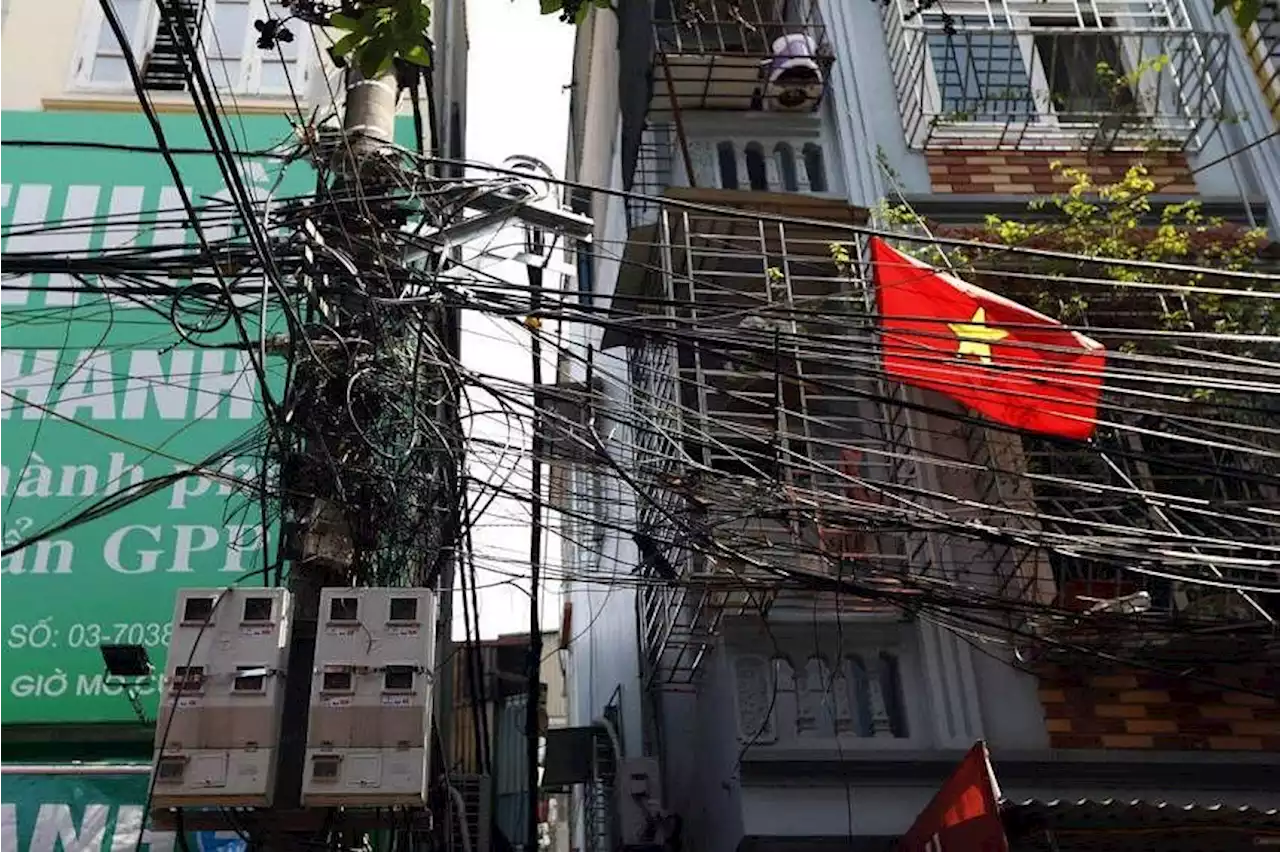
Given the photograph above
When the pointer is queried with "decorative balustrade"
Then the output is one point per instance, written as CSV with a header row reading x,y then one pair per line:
x,y
854,700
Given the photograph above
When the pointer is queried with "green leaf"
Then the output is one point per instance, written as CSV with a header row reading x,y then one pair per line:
x,y
1246,12
374,56
346,44
417,55
549,6
344,22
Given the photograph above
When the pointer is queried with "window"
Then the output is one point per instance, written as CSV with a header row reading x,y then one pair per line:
x,y
786,157
257,609
757,174
224,36
1054,74
996,68
344,609
404,609
398,679
585,261
728,161
325,767
1209,491
250,679
1262,40
188,679
1085,77
336,680
979,71
815,169
170,770
197,610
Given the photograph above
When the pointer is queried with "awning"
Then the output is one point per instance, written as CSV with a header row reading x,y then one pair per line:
x,y
1137,826
969,813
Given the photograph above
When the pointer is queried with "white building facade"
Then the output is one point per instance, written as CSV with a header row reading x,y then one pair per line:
x,y
798,719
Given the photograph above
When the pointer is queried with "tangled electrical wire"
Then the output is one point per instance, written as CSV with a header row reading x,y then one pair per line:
x,y
723,436
780,401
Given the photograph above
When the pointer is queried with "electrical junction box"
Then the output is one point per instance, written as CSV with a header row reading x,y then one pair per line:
x,y
219,720
371,691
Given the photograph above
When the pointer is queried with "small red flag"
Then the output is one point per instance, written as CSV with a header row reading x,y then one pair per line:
x,y
964,815
1007,362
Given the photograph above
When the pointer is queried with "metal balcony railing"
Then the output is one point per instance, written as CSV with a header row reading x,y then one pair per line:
x,y
1204,494
1055,75
1161,518
739,55
750,453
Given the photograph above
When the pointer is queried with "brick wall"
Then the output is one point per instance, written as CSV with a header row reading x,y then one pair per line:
x,y
1088,708
1029,172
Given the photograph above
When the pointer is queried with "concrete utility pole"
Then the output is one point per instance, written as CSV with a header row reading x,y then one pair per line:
x,y
345,531
369,119
368,124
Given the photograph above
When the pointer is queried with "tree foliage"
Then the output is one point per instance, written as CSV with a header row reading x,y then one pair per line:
x,y
377,34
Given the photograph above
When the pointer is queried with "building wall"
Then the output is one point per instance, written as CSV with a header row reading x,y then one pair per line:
x,y
871,129
730,787
602,663
1034,173
1117,708
36,68
42,42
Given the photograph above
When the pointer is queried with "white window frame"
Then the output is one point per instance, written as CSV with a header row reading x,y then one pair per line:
x,y
1018,20
249,81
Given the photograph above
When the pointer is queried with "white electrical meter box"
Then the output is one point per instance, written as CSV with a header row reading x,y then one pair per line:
x,y
219,713
371,690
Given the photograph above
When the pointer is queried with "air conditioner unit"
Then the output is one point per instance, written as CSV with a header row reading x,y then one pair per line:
x,y
794,80
638,792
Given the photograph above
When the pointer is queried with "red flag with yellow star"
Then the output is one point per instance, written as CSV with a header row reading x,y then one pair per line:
x,y
1007,362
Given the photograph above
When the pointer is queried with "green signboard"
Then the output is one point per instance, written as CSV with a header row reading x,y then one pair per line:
x,y
100,393
61,809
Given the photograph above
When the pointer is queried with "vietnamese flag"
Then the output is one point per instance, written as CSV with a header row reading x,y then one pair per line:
x,y
964,815
1007,362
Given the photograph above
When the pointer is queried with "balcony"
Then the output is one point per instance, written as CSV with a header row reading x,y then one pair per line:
x,y
788,698
1206,504
758,456
1054,75
787,156
1151,530
739,55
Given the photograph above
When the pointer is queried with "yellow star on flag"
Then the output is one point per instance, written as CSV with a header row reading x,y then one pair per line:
x,y
976,336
